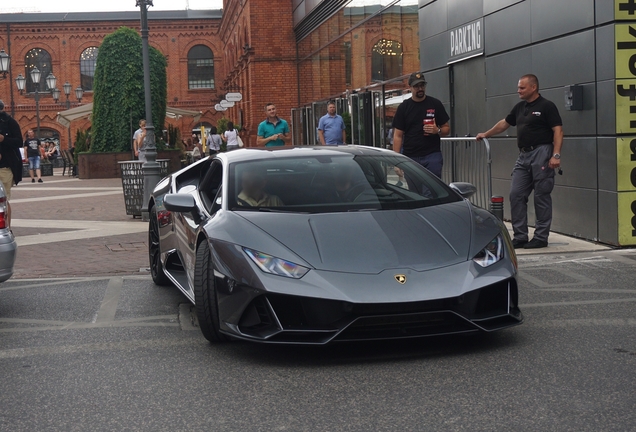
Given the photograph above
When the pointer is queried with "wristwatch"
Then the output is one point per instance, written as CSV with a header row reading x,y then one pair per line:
x,y
557,155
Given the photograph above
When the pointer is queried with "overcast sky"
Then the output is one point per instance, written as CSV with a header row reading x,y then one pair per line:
x,y
29,6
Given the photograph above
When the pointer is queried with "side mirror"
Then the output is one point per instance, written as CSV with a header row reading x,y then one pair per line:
x,y
466,190
182,203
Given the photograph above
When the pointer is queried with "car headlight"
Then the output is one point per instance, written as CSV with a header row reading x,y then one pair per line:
x,y
276,266
492,253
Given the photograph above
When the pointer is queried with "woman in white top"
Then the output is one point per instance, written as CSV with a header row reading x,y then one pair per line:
x,y
230,136
214,141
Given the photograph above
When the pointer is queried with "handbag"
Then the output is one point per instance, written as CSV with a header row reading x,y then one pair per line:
x,y
239,140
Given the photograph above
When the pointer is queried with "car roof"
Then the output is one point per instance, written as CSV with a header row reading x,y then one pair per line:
x,y
253,153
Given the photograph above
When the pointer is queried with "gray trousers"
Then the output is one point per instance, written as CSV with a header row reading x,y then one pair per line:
x,y
531,171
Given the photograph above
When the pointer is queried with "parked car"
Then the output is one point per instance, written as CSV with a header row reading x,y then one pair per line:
x,y
8,246
312,245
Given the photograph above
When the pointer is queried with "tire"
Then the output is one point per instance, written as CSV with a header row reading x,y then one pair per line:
x,y
154,251
205,301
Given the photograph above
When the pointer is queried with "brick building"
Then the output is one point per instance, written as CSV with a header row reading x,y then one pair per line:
x,y
296,54
65,44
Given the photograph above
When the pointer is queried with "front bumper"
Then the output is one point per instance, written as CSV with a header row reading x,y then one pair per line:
x,y
279,318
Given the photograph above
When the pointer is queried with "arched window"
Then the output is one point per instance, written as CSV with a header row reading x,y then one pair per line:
x,y
41,59
88,59
386,60
200,67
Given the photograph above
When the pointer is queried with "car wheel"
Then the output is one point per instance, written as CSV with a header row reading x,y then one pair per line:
x,y
205,302
154,251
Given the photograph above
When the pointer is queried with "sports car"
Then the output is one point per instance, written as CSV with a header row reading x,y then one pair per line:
x,y
313,245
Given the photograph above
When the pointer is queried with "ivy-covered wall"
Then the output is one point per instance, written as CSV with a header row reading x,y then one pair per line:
x,y
119,91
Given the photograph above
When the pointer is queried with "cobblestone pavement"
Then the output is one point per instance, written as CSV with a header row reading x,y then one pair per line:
x,y
71,227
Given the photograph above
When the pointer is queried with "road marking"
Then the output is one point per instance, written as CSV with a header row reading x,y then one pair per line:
x,y
588,322
577,303
59,197
73,188
108,308
80,230
107,346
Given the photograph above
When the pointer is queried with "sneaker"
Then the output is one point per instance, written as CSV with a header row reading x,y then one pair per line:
x,y
518,243
40,181
535,243
32,180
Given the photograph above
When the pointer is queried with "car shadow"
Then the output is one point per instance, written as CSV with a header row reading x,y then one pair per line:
x,y
377,351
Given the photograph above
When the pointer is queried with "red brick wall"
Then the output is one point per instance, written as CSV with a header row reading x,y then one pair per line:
x,y
266,72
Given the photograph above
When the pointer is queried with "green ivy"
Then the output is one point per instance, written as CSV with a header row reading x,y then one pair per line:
x,y
118,92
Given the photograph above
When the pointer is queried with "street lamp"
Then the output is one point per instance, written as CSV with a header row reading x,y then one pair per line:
x,y
35,78
5,61
79,93
151,169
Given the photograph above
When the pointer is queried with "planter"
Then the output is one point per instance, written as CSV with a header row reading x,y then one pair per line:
x,y
46,170
106,165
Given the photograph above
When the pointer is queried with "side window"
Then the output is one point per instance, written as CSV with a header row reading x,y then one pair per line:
x,y
210,187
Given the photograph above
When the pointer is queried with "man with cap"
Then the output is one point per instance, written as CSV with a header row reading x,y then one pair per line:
x,y
10,158
418,124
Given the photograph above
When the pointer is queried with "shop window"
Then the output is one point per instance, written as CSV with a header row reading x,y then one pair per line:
x,y
386,60
200,67
41,59
88,60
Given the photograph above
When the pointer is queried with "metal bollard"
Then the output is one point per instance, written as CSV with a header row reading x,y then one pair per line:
x,y
496,206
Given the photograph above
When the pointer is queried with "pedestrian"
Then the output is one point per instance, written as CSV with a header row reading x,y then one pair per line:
x,y
539,138
419,123
10,162
273,131
214,141
331,127
33,149
230,136
139,141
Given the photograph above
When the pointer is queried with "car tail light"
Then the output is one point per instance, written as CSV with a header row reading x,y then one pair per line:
x,y
3,212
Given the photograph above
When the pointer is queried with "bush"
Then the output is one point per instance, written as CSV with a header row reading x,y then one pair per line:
x,y
118,93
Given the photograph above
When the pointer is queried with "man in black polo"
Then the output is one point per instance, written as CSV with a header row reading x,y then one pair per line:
x,y
539,137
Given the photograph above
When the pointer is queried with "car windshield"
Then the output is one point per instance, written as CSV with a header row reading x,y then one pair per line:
x,y
320,184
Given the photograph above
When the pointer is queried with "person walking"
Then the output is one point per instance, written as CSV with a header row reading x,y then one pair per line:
x,y
10,159
230,136
273,131
418,125
539,138
139,138
213,141
33,149
331,127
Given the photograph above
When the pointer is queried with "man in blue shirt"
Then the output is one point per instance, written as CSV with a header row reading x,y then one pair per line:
x,y
272,131
331,127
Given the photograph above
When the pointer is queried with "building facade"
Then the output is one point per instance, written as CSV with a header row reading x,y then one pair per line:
x,y
67,46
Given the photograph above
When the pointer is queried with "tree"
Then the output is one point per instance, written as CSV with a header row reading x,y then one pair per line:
x,y
118,94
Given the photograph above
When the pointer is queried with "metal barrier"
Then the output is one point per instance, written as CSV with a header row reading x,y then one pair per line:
x,y
468,160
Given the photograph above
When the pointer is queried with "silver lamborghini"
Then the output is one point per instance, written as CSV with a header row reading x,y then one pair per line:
x,y
313,245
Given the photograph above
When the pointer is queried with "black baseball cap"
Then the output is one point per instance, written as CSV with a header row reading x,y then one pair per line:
x,y
416,78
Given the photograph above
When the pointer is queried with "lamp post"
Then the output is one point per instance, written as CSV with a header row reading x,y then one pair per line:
x,y
151,169
20,81
79,93
5,61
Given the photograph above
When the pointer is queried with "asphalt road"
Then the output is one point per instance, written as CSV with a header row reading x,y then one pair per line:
x,y
119,353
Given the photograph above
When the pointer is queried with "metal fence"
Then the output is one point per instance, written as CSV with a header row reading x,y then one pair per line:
x,y
468,160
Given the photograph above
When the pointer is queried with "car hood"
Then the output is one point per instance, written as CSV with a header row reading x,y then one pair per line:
x,y
373,241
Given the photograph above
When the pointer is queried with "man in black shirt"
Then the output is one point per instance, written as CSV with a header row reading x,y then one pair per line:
x,y
539,137
10,158
418,124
